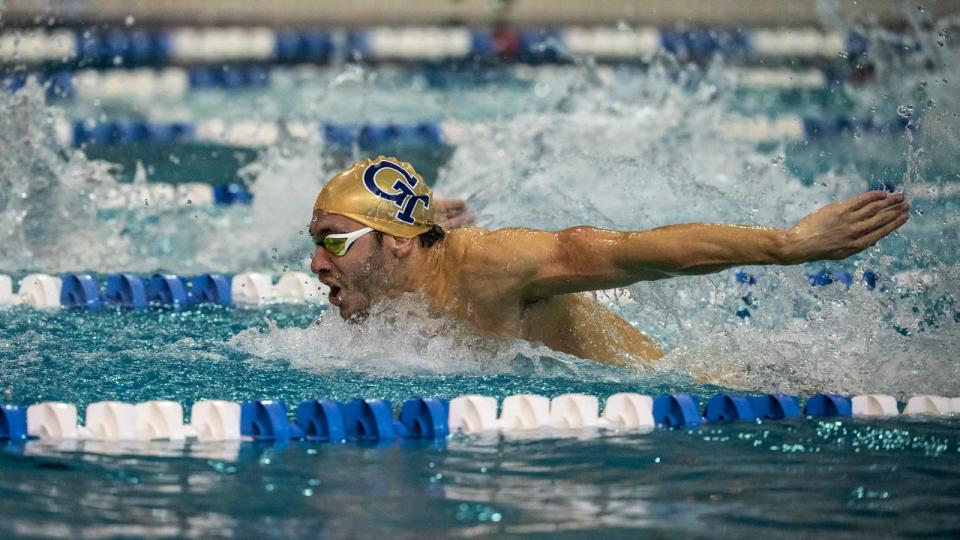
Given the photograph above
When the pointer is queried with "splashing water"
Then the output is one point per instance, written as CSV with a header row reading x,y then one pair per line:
x,y
660,159
49,196
625,152
403,337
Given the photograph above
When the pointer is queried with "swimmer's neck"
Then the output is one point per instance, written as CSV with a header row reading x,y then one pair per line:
x,y
418,271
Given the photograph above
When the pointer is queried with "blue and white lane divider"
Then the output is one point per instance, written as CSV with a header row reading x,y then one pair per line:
x,y
175,82
255,134
132,291
126,47
324,420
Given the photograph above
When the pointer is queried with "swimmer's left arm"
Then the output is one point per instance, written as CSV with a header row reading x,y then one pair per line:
x,y
587,258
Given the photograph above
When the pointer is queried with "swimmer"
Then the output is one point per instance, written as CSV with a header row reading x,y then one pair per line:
x,y
377,237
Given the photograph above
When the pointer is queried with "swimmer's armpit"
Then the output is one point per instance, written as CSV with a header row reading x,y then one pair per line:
x,y
452,213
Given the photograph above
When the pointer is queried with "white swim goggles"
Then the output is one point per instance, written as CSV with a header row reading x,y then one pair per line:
x,y
338,244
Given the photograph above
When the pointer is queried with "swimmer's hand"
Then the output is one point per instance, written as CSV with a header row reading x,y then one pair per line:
x,y
452,213
842,229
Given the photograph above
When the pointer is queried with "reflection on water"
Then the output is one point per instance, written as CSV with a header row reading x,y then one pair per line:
x,y
804,478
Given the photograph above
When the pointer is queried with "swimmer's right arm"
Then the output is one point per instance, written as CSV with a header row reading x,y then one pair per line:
x,y
538,264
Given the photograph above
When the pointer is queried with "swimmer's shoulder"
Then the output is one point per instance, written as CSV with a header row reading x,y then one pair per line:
x,y
462,240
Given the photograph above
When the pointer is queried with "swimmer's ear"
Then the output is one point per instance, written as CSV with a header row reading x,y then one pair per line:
x,y
401,247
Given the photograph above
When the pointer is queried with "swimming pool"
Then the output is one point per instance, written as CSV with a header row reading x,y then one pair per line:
x,y
633,147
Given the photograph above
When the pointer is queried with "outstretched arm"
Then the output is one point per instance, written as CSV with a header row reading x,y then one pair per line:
x,y
543,264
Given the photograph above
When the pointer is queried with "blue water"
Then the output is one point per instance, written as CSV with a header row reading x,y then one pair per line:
x,y
634,148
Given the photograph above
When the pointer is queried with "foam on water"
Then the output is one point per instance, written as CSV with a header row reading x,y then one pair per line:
x,y
401,337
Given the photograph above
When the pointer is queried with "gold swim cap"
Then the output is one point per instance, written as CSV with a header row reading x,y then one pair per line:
x,y
384,193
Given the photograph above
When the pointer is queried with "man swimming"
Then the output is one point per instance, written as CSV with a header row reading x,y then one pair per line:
x,y
376,236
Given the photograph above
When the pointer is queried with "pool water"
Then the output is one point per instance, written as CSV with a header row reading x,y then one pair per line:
x,y
633,148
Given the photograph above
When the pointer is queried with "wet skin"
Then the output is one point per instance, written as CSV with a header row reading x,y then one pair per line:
x,y
529,284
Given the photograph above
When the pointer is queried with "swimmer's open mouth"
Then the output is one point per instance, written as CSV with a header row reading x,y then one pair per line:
x,y
334,295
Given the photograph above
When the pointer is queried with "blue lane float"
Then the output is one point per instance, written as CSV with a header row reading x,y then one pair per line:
x,y
210,289
228,78
828,405
292,46
166,290
775,406
319,420
728,408
368,419
126,291
676,410
13,423
264,420
80,291
122,48
231,194
424,418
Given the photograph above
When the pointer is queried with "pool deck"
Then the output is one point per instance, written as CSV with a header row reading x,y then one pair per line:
x,y
298,13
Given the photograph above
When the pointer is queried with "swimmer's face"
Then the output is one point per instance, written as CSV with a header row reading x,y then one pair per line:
x,y
358,278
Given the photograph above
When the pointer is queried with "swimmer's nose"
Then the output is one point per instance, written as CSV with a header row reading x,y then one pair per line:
x,y
320,264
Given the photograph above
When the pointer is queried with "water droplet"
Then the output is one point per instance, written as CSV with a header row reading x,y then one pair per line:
x,y
117,60
923,84
189,201
146,202
905,111
942,38
129,20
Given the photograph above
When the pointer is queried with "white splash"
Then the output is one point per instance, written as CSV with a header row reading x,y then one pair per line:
x,y
403,337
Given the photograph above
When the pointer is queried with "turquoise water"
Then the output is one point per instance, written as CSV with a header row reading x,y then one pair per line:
x,y
800,478
633,149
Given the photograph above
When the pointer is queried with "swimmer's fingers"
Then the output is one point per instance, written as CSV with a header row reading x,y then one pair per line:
x,y
872,208
881,218
873,237
864,199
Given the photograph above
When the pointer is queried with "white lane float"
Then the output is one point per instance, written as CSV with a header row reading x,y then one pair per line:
x,y
118,421
110,421
629,412
874,405
215,420
300,288
251,288
574,411
52,420
524,412
929,405
41,291
472,414
159,419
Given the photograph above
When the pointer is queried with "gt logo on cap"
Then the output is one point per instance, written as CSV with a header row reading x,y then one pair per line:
x,y
403,196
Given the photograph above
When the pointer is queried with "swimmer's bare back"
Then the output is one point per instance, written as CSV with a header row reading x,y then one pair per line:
x,y
524,282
